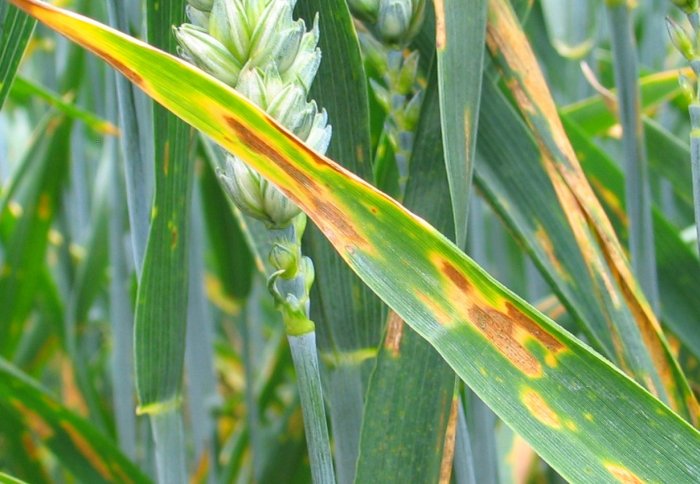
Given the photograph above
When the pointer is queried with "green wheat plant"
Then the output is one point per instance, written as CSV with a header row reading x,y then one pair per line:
x,y
486,273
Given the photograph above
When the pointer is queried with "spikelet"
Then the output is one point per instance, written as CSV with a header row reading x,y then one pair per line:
x,y
394,22
257,48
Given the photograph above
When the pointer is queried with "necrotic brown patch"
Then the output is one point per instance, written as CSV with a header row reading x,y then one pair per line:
x,y
328,217
499,330
394,334
121,67
509,332
455,276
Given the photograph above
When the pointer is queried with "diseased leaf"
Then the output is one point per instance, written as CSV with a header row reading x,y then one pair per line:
x,y
548,386
591,227
83,450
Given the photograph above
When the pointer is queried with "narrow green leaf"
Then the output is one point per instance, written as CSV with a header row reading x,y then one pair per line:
x,y
464,462
544,383
669,158
637,190
121,312
27,214
199,355
16,29
677,266
134,150
596,114
24,88
91,273
460,37
572,26
8,479
161,304
482,424
83,450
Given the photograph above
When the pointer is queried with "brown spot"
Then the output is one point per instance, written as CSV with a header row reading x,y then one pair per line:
x,y
29,446
45,207
53,124
174,233
202,467
373,210
129,73
540,409
324,213
394,334
622,474
455,276
448,451
505,326
509,332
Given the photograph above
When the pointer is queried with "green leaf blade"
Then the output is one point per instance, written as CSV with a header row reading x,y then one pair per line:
x,y
16,28
460,38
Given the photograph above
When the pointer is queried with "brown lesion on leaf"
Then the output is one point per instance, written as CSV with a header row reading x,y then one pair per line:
x,y
332,221
448,451
457,278
509,332
128,72
507,328
114,61
585,237
506,39
394,334
174,235
45,207
75,30
360,153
